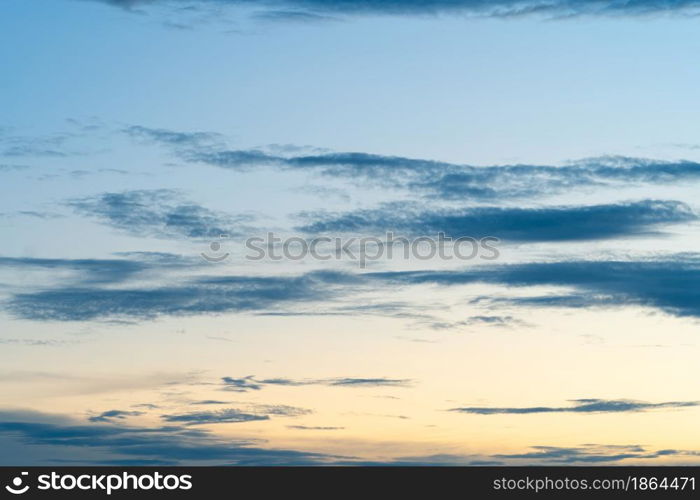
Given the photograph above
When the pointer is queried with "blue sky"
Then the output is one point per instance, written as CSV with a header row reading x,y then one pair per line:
x,y
447,88
133,134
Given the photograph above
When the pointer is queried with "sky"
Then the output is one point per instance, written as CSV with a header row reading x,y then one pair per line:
x,y
145,144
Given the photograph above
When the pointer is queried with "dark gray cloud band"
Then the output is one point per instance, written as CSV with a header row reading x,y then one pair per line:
x,y
58,441
52,440
666,283
452,181
592,454
198,296
577,223
250,383
235,415
111,415
481,8
430,178
581,406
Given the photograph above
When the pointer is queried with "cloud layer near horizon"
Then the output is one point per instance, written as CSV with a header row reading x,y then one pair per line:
x,y
47,439
481,8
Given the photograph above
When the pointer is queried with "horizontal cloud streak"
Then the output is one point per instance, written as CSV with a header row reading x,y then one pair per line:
x,y
663,283
171,137
667,284
482,8
368,382
88,270
314,428
128,445
50,438
198,296
94,272
431,178
229,415
452,181
576,223
591,454
244,384
581,406
251,384
108,416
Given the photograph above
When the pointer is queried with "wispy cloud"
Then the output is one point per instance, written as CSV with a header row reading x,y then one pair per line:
x,y
591,454
49,437
161,213
488,320
454,181
293,16
197,297
581,406
110,415
281,410
588,454
480,8
90,272
255,413
174,138
568,223
48,146
368,382
38,342
70,142
426,177
314,428
662,283
250,383
244,384
228,415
